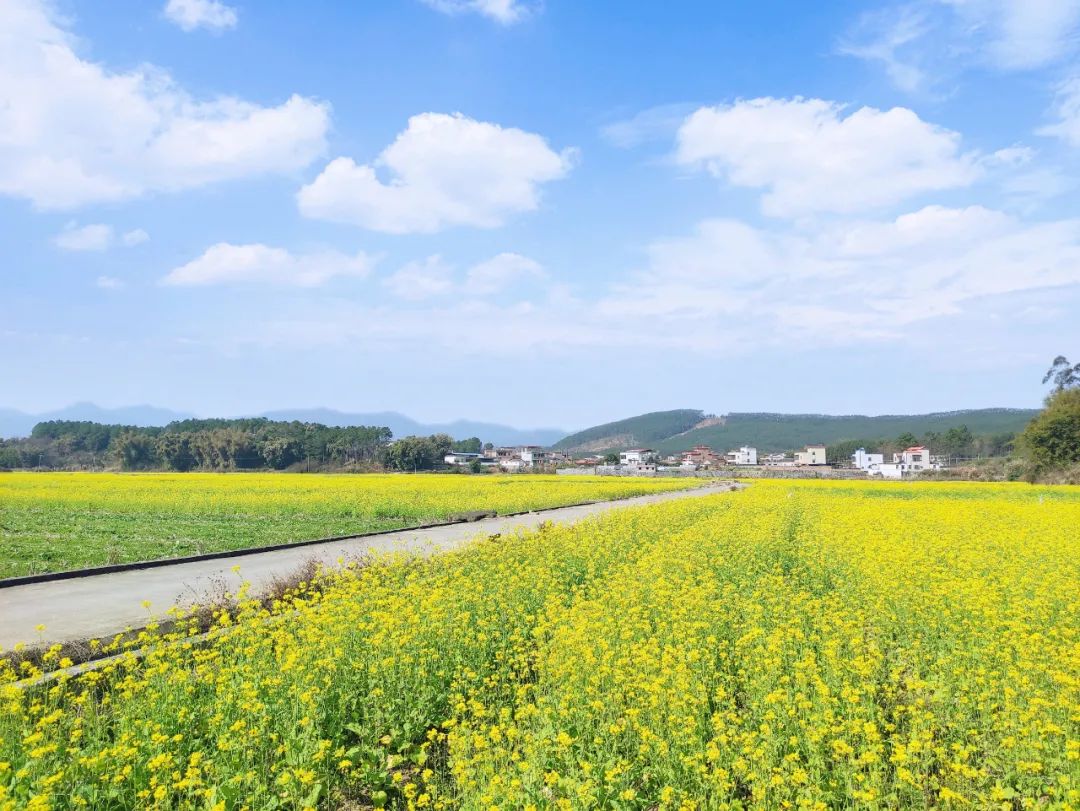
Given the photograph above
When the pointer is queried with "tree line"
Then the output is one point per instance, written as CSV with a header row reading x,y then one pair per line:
x,y
956,443
225,444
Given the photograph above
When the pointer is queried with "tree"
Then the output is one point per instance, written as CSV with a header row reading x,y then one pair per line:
x,y
958,441
1052,439
475,466
1062,374
611,458
907,439
134,451
470,445
175,451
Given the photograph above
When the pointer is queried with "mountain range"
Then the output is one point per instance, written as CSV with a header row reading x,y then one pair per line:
x,y
14,423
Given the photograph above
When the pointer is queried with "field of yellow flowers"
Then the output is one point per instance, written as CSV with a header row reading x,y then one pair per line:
x,y
794,645
56,521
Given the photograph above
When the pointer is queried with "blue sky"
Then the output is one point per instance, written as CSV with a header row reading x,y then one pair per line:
x,y
550,213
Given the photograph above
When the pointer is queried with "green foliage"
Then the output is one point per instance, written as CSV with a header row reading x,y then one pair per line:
x,y
1062,374
1052,439
783,432
641,430
470,445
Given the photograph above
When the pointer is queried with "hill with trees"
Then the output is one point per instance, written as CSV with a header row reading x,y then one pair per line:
x,y
675,431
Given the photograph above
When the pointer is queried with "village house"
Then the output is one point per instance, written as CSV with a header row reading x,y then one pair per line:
x,y
778,460
461,458
743,456
638,456
812,455
866,461
701,457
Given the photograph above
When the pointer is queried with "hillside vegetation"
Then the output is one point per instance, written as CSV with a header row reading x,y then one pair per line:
x,y
779,432
648,428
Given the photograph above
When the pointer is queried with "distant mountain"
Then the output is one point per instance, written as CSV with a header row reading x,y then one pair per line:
x,y
15,423
779,432
18,423
402,425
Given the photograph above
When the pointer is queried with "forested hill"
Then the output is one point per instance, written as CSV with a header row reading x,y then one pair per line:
x,y
779,432
645,429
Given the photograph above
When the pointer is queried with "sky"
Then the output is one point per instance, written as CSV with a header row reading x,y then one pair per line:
x,y
541,213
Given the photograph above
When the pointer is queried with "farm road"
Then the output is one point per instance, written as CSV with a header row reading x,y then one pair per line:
x,y
105,604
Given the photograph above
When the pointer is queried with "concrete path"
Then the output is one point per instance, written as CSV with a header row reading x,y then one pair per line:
x,y
105,604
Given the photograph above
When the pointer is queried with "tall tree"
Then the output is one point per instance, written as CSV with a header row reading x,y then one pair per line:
x,y
1062,374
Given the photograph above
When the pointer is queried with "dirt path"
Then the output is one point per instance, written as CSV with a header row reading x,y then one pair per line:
x,y
105,604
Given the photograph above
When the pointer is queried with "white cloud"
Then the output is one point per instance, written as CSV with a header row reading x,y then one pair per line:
x,y
854,281
225,263
654,124
445,170
808,157
134,237
96,237
503,11
504,270
109,283
1067,112
419,280
1021,34
210,14
883,37
74,132
922,43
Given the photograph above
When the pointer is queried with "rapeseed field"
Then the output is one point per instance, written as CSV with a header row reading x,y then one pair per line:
x,y
55,521
795,645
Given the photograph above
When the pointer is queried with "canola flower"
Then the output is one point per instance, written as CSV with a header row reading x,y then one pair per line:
x,y
802,645
55,521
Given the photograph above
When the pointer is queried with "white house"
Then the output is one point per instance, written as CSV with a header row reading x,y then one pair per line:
x,y
888,470
461,458
866,461
743,456
778,460
813,455
638,456
914,459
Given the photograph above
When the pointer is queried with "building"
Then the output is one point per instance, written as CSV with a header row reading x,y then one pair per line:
x,y
701,457
743,456
915,458
888,470
778,460
813,455
638,456
866,461
461,458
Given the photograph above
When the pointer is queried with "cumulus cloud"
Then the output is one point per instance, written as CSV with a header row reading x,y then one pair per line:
x,y
210,14
444,170
96,237
134,237
225,263
500,272
503,11
74,132
422,279
808,156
